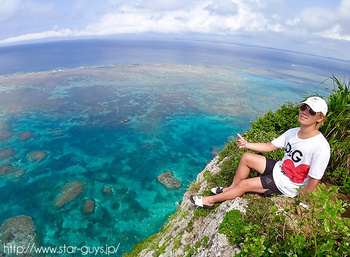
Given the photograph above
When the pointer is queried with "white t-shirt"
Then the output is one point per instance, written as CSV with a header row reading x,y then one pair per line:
x,y
303,158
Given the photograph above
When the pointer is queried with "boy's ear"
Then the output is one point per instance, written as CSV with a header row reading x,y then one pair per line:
x,y
322,117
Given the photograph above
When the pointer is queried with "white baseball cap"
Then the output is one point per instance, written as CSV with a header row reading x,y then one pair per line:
x,y
317,104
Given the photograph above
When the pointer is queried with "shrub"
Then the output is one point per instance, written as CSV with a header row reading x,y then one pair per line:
x,y
336,130
329,233
201,212
284,118
265,230
232,227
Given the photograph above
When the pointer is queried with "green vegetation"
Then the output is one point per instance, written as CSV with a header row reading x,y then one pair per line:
x,y
177,241
267,231
205,241
201,212
191,250
337,131
232,226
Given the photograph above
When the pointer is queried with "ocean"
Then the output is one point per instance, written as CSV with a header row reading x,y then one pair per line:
x,y
106,117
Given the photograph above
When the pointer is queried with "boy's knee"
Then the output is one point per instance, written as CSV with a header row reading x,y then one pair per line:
x,y
246,157
243,187
244,184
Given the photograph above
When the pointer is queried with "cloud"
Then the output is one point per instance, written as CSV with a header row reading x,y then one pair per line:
x,y
163,5
222,17
41,35
316,20
323,22
218,17
222,7
206,17
163,16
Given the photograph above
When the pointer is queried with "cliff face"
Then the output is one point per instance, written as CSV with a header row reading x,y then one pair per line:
x,y
192,232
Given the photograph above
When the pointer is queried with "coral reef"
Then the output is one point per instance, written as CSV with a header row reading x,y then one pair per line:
x,y
25,135
18,233
69,192
107,190
168,180
6,153
5,131
8,169
89,206
37,156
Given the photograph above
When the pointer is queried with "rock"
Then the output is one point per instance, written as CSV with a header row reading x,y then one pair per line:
x,y
88,206
17,173
5,131
5,135
25,135
168,180
7,153
6,169
37,156
232,138
17,233
107,190
215,151
69,192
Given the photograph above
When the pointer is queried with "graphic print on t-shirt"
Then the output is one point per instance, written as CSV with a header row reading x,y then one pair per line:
x,y
295,174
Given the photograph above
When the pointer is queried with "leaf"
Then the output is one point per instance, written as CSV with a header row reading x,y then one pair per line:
x,y
274,209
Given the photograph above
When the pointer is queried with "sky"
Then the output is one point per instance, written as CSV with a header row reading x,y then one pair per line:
x,y
320,27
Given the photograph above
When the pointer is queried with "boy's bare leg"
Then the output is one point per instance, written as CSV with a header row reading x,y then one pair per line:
x,y
248,161
240,183
244,186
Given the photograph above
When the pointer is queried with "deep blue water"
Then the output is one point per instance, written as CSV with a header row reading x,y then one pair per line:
x,y
71,54
181,99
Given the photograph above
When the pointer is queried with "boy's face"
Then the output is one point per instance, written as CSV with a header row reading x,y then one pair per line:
x,y
309,117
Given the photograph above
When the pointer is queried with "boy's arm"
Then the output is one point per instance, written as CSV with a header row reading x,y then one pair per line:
x,y
311,185
258,147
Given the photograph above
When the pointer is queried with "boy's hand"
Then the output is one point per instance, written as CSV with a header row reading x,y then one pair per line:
x,y
241,142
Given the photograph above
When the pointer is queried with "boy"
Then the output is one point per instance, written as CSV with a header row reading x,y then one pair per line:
x,y
306,157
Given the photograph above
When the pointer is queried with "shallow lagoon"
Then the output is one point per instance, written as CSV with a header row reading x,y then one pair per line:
x,y
177,116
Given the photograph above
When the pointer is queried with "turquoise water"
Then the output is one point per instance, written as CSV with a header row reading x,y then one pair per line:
x,y
177,115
